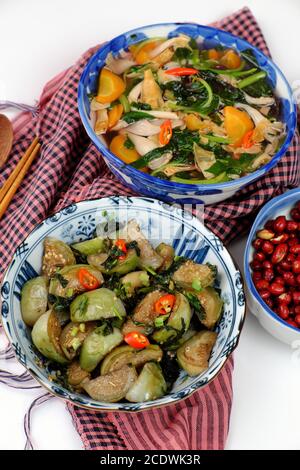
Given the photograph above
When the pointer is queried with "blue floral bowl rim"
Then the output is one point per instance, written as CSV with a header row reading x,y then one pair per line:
x,y
169,185
173,396
260,218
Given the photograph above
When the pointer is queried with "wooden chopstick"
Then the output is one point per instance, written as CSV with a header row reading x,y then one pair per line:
x,y
17,169
10,187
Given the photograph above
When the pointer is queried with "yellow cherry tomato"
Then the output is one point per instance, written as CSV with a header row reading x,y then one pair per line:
x,y
236,123
231,60
120,150
114,115
193,123
111,87
213,54
141,54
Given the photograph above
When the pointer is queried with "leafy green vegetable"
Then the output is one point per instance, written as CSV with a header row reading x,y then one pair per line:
x,y
60,303
192,95
195,303
220,178
181,145
217,139
182,55
170,368
105,328
176,334
133,246
260,88
152,155
63,281
143,106
113,256
80,257
125,103
160,321
228,94
244,73
214,269
128,144
134,116
251,79
196,285
82,305
249,56
232,166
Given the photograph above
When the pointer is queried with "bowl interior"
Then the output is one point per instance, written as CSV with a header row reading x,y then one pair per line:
x,y
280,205
159,222
208,37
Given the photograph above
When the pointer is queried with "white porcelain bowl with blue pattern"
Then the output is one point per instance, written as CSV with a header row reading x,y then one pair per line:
x,y
280,205
159,222
169,191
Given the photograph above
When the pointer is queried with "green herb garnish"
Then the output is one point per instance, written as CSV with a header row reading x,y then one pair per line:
x,y
196,304
62,280
196,285
82,305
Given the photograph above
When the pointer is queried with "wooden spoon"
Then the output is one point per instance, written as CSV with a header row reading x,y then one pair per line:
x,y
6,138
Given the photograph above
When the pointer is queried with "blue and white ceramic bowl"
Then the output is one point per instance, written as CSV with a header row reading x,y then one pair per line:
x,y
159,222
280,205
148,185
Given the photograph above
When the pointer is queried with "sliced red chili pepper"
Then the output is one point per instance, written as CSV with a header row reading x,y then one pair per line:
x,y
121,244
165,304
87,280
136,340
248,140
181,71
165,132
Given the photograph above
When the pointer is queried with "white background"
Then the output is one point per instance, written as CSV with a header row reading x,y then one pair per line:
x,y
39,39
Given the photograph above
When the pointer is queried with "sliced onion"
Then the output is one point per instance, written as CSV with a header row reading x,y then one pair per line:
x,y
135,93
264,110
96,106
261,101
142,144
172,170
143,127
120,125
164,77
255,115
171,65
228,79
178,41
260,161
160,161
101,123
272,146
204,159
147,128
118,66
178,123
255,148
274,131
93,118
163,57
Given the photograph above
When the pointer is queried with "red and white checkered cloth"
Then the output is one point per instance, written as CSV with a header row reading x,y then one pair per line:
x,y
68,169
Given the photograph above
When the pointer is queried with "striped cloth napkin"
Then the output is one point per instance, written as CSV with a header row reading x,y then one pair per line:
x,y
70,169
